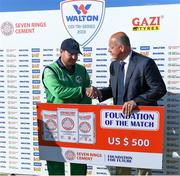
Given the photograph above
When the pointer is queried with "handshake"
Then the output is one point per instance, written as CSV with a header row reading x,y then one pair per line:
x,y
93,92
127,107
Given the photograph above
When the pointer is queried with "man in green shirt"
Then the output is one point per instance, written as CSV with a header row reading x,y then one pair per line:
x,y
65,81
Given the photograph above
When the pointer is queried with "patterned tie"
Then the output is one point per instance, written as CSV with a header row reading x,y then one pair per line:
x,y
120,88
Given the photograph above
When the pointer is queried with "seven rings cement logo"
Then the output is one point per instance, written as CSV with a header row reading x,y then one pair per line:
x,y
84,127
51,124
7,28
67,123
70,155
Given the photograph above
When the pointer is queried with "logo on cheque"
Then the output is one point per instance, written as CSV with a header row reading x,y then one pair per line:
x,y
70,155
83,18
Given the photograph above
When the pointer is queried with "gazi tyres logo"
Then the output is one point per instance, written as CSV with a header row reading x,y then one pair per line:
x,y
82,18
146,23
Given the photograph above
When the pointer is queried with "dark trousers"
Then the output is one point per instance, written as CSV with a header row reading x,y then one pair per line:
x,y
57,168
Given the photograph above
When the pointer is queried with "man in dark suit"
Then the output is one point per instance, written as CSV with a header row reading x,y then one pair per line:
x,y
143,84
134,80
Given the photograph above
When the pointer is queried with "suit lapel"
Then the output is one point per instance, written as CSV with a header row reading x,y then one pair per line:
x,y
131,67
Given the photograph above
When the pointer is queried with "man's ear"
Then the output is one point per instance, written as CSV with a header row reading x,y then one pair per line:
x,y
122,48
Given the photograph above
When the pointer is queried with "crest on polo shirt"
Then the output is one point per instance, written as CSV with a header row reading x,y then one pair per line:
x,y
78,79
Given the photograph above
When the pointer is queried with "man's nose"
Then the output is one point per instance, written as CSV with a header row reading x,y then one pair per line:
x,y
74,56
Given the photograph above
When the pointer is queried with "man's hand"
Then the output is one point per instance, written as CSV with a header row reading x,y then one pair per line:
x,y
128,107
92,92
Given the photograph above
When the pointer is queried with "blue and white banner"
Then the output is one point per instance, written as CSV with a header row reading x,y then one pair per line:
x,y
30,36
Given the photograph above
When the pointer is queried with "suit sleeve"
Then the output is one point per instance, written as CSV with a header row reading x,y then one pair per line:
x,y
156,87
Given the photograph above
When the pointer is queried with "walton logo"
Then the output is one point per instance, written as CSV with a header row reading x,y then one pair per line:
x,y
146,23
82,18
82,9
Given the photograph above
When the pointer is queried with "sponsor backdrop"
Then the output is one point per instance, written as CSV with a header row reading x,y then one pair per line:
x,y
30,35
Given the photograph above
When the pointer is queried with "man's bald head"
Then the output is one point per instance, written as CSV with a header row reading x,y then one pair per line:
x,y
122,38
119,46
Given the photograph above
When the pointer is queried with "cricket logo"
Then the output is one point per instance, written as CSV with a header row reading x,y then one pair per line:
x,y
83,18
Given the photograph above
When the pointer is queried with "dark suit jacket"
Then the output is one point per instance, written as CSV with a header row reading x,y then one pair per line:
x,y
143,83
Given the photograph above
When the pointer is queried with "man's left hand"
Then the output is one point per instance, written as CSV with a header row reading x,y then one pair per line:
x,y
128,107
